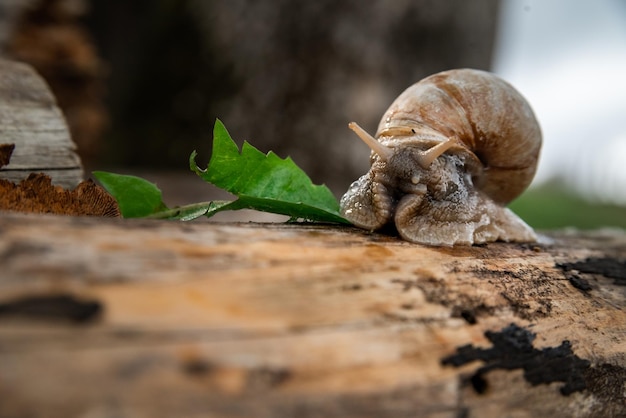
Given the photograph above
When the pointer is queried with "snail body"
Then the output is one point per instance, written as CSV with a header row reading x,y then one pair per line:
x,y
450,152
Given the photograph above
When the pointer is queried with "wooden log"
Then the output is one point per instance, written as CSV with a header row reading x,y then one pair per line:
x,y
105,317
55,40
30,119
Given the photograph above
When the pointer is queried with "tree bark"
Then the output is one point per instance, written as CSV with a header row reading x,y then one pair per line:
x,y
105,317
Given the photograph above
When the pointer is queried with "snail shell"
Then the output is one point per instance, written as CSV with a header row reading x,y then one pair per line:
x,y
450,152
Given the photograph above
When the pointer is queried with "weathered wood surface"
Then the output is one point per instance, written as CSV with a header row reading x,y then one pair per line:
x,y
30,119
120,318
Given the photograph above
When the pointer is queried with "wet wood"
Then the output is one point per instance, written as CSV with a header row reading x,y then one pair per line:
x,y
105,317
31,120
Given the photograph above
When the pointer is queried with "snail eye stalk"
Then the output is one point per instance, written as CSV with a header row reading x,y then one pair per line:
x,y
426,158
383,152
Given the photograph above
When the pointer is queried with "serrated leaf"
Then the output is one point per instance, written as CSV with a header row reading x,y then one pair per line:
x,y
265,182
135,196
260,181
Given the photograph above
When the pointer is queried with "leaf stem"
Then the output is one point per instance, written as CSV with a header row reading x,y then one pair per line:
x,y
194,210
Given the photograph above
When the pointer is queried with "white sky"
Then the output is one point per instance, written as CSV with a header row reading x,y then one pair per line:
x,y
568,58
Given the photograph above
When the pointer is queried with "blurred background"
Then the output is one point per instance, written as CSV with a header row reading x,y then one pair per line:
x,y
141,83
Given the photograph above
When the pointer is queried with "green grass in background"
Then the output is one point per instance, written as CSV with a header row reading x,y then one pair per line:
x,y
552,207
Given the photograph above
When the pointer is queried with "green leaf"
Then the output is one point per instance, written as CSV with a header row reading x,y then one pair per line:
x,y
135,196
264,182
259,181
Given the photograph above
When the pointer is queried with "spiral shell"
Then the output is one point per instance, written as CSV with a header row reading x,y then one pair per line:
x,y
449,153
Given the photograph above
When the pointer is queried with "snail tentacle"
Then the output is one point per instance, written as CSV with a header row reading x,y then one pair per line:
x,y
426,158
381,150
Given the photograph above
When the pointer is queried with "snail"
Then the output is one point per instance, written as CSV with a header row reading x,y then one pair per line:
x,y
450,153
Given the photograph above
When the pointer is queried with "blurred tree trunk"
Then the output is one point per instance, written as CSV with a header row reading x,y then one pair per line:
x,y
287,78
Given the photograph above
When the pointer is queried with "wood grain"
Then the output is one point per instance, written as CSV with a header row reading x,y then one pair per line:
x,y
30,119
126,318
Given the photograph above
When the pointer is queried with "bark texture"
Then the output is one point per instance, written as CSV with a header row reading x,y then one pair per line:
x,y
105,317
